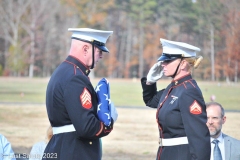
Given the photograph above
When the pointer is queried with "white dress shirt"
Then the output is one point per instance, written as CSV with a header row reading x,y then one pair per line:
x,y
221,146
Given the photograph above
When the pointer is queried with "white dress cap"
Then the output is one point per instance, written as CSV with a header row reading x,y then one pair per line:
x,y
173,50
97,37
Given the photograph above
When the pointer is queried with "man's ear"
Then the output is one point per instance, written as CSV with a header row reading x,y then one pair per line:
x,y
85,49
224,119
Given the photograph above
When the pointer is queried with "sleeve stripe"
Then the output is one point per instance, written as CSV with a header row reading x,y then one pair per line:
x,y
100,129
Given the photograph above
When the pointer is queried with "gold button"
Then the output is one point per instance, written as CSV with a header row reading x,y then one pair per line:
x,y
105,127
90,142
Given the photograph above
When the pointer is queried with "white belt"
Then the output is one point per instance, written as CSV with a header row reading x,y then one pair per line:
x,y
63,129
173,141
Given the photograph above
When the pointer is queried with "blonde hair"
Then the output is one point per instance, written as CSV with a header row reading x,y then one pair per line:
x,y
194,61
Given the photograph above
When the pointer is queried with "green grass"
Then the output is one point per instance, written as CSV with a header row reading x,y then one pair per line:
x,y
22,90
123,92
226,94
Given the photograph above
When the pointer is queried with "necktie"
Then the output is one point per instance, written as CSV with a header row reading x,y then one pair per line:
x,y
216,152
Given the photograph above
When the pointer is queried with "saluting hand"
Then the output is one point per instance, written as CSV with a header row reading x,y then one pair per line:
x,y
155,73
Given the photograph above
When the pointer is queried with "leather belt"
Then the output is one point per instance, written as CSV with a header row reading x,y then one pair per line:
x,y
63,129
173,141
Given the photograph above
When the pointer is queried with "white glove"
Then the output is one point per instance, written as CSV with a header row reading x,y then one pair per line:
x,y
114,113
155,73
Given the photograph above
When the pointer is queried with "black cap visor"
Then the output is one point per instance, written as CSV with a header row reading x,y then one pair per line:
x,y
102,48
169,57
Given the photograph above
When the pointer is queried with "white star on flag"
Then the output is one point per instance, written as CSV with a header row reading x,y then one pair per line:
x,y
107,115
99,107
109,100
98,87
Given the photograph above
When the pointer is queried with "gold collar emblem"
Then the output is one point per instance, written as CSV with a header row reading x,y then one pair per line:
x,y
176,82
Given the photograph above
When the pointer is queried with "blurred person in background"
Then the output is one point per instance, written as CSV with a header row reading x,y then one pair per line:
x,y
181,111
6,152
223,147
37,150
72,103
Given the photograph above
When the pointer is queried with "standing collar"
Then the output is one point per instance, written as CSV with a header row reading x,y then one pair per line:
x,y
79,64
181,80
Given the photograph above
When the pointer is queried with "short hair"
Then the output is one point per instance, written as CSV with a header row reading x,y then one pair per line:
x,y
217,104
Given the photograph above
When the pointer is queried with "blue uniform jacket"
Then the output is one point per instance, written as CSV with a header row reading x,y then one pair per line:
x,y
71,99
181,112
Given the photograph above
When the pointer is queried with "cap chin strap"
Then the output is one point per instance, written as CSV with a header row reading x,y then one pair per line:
x,y
92,56
173,76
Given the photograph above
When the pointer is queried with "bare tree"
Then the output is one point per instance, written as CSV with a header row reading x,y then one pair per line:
x,y
11,12
212,52
56,36
31,25
231,34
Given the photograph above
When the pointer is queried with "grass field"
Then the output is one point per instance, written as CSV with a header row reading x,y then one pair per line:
x,y
134,137
123,92
23,117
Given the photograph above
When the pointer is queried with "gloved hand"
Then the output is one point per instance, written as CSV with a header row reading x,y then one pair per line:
x,y
114,113
155,73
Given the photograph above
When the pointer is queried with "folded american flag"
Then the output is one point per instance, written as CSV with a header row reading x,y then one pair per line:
x,y
104,102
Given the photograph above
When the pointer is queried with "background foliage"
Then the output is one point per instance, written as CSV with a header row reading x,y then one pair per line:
x,y
34,39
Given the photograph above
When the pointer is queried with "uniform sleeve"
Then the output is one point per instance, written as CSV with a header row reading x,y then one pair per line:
x,y
150,95
193,112
81,105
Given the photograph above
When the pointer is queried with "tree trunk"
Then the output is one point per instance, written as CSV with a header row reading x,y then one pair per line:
x,y
212,52
141,44
236,72
32,54
128,49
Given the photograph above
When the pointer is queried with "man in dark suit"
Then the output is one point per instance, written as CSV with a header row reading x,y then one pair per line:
x,y
222,146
